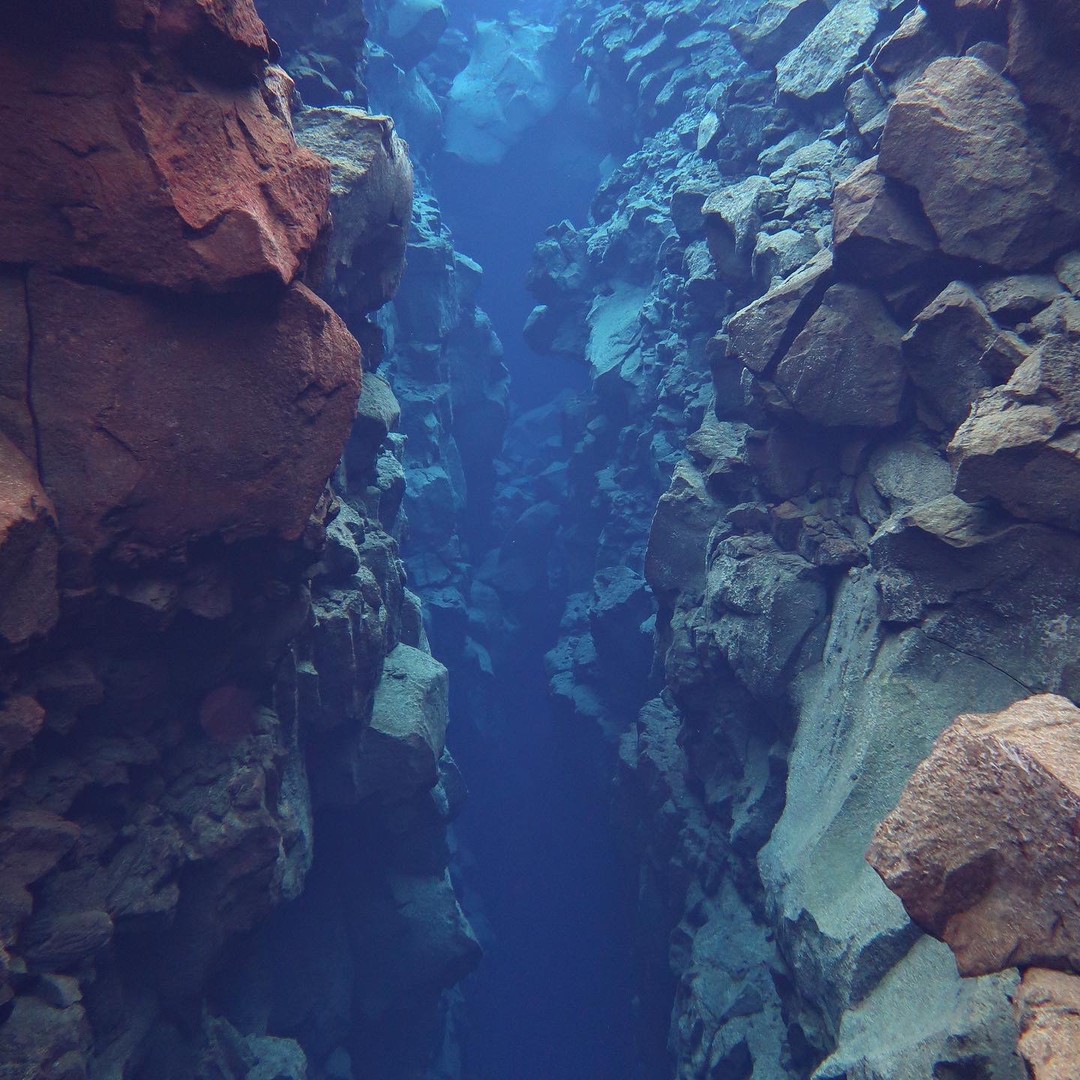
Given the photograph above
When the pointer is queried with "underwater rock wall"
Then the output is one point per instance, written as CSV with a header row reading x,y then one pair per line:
x,y
872,528
219,707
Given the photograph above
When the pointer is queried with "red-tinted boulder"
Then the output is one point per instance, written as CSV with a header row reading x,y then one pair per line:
x,y
134,170
983,848
165,420
962,138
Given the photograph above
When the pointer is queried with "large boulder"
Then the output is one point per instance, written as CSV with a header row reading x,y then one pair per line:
x,y
989,187
822,61
142,180
845,367
983,848
161,422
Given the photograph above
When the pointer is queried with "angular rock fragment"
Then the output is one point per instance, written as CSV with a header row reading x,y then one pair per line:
x,y
733,216
878,229
778,27
757,333
1048,1009
820,63
990,190
400,748
954,351
983,847
845,367
371,193
1021,445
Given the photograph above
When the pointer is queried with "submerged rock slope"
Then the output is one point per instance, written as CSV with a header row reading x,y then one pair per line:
x,y
217,697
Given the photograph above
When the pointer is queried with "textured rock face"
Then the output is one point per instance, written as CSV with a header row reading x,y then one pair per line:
x,y
872,529
193,626
1000,898
144,180
1048,1009
991,191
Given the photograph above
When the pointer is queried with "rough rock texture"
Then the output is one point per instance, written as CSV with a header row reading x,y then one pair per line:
x,y
193,626
992,192
869,523
982,842
1048,1010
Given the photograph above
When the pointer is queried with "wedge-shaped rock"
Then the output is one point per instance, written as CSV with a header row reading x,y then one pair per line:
x,y
960,135
1021,445
954,351
371,201
845,368
759,332
779,26
401,747
983,848
878,229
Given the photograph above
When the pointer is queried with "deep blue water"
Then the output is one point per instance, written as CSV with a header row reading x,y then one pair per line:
x,y
551,1001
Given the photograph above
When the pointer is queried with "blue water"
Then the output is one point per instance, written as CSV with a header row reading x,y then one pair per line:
x,y
552,999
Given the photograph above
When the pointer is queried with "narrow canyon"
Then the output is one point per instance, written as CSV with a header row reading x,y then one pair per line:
x,y
540,542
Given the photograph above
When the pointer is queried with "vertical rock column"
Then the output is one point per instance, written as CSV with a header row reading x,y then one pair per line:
x,y
172,402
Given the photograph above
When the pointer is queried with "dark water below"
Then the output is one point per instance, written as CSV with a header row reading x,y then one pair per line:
x,y
552,999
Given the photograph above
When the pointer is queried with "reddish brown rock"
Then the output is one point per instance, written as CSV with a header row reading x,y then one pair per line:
x,y
149,176
1047,1008
984,847
1044,40
214,25
961,137
954,351
29,604
162,421
878,229
845,367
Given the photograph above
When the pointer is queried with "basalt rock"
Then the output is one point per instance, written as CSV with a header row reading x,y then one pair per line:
x,y
1048,1009
998,898
991,192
